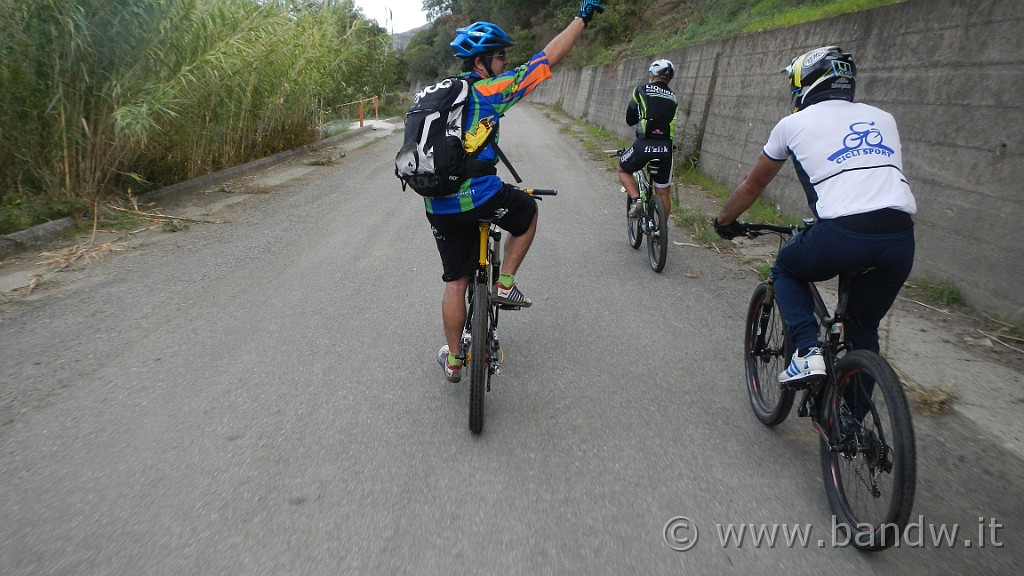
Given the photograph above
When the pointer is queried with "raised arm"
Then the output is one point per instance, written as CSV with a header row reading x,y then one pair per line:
x,y
561,44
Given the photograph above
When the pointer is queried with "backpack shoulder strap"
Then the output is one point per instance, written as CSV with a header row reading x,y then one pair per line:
x,y
504,159
492,140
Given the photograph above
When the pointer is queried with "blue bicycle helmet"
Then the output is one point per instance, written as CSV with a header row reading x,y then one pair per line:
x,y
479,38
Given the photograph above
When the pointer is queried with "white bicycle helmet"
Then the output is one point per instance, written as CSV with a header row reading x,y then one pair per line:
x,y
662,69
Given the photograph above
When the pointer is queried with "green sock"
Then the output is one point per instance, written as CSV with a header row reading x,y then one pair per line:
x,y
506,280
453,360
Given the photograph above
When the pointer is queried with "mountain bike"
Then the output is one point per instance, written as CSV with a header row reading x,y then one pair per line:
x,y
859,409
480,350
652,221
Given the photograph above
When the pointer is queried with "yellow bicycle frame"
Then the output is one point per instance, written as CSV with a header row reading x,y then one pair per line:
x,y
485,233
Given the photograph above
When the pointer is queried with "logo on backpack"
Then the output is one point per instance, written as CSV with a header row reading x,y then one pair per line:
x,y
432,159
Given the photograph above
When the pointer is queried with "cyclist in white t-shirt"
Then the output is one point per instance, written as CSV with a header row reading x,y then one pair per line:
x,y
848,159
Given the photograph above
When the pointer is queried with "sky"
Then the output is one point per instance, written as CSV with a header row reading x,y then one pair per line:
x,y
394,15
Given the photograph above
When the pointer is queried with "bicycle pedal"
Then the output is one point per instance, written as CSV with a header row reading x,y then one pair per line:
x,y
804,384
509,307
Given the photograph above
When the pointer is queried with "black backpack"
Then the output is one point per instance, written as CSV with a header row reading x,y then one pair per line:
x,y
433,159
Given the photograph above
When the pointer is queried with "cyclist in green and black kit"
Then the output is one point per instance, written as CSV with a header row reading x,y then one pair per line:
x,y
652,109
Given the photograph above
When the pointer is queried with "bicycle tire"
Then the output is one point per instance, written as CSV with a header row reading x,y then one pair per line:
x,y
766,352
657,232
867,417
478,356
633,232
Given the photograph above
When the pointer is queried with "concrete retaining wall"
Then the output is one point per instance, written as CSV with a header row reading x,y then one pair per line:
x,y
949,71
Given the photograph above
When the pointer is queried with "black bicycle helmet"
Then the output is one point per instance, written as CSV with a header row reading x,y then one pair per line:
x,y
479,38
662,69
825,73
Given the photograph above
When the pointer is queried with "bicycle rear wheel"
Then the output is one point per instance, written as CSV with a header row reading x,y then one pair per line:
x,y
480,312
657,234
633,232
766,351
870,471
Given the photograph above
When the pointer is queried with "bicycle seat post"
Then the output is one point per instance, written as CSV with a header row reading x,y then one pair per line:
x,y
496,255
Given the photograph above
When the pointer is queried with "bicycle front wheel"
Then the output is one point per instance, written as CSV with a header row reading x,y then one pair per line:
x,y
766,351
478,356
657,232
870,468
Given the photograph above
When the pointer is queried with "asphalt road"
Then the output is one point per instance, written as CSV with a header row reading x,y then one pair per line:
x,y
261,397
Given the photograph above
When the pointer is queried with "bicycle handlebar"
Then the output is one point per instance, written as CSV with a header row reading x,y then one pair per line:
x,y
754,230
540,192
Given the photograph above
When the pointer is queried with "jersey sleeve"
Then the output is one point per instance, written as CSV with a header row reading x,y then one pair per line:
x,y
503,91
777,148
633,109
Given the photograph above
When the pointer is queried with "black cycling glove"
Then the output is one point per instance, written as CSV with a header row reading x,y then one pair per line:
x,y
587,8
731,231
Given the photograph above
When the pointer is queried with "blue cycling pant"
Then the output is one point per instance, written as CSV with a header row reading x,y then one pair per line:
x,y
823,252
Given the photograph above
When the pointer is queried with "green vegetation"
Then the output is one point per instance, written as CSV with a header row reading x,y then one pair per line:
x,y
20,210
627,29
696,22
761,211
193,86
939,292
99,98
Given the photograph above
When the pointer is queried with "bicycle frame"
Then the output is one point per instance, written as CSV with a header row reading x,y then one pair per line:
x,y
832,345
479,349
832,342
645,184
489,266
831,335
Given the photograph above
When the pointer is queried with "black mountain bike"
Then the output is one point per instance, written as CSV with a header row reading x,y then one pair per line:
x,y
859,409
480,350
652,221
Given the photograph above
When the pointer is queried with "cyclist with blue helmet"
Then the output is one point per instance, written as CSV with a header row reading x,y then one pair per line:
x,y
453,219
849,161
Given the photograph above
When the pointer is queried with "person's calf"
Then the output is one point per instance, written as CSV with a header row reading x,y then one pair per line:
x,y
629,184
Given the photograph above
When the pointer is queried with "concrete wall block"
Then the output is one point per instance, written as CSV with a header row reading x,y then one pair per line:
x,y
948,71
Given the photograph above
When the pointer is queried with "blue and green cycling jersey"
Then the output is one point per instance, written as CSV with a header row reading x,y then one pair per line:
x,y
489,99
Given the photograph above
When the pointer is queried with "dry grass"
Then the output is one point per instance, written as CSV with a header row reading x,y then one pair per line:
x,y
932,401
162,218
77,254
34,281
83,254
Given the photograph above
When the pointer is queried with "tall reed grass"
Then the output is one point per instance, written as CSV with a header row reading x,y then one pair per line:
x,y
99,96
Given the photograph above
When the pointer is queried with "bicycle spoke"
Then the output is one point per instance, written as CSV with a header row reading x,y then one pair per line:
x,y
765,356
657,242
634,232
870,466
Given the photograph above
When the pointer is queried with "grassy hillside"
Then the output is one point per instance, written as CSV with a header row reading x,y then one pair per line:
x,y
669,24
627,29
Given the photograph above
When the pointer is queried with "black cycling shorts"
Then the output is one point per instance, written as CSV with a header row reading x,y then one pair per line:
x,y
643,151
457,235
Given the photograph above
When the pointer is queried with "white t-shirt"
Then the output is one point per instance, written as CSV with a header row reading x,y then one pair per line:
x,y
847,157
